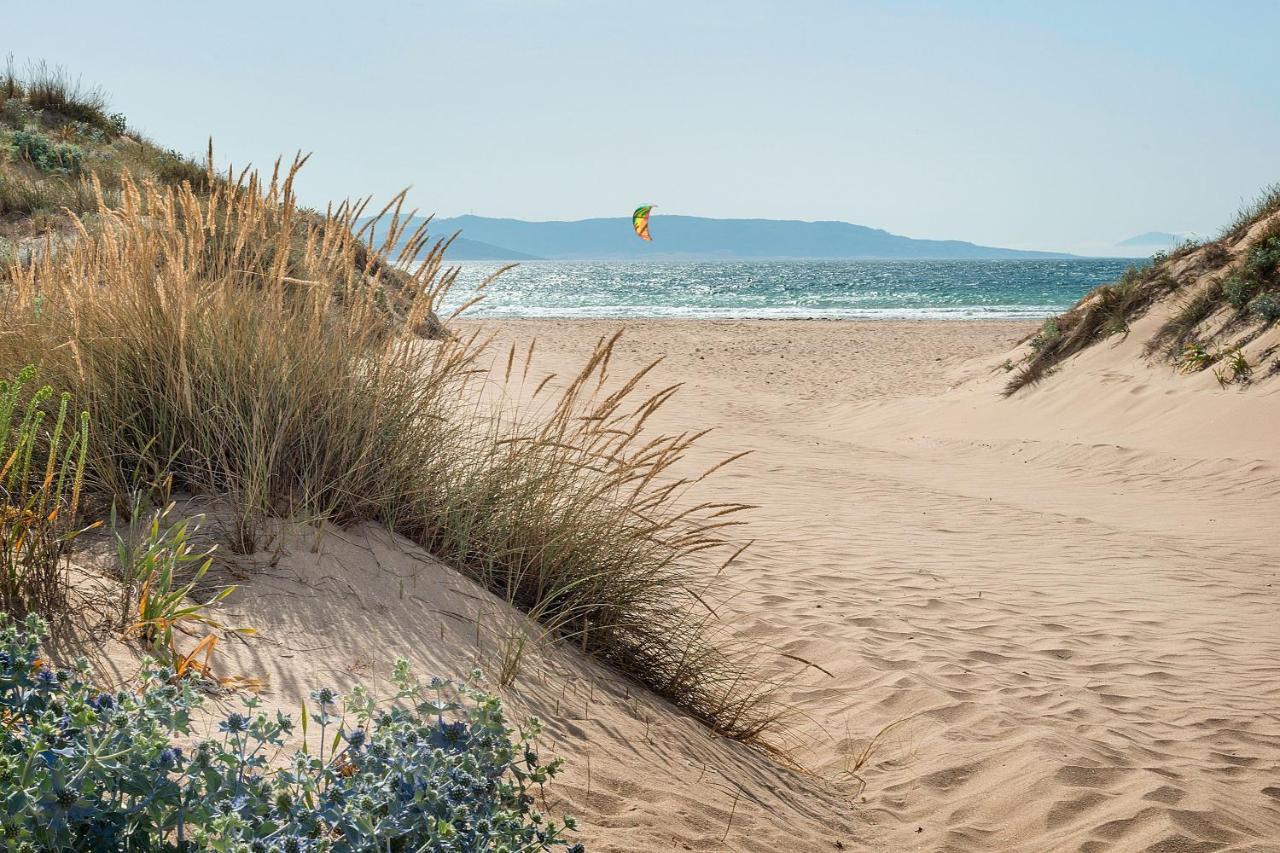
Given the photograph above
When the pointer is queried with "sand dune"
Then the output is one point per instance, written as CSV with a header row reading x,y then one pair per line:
x,y
1041,623
1063,605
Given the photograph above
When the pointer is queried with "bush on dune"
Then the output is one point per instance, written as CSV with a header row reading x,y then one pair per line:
x,y
431,768
261,353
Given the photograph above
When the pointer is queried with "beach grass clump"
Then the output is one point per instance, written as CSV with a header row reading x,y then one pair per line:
x,y
41,476
1174,334
1239,290
430,767
53,90
1106,311
1267,203
574,515
269,357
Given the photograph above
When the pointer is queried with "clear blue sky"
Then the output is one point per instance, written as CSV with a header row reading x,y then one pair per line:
x,y
1038,125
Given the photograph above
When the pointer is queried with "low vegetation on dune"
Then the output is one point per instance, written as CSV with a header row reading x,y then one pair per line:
x,y
1223,294
431,767
168,328
64,158
55,134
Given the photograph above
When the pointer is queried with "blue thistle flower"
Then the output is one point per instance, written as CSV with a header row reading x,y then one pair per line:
x,y
234,723
46,679
170,757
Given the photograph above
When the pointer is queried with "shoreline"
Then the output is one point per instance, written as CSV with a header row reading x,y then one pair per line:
x,y
750,318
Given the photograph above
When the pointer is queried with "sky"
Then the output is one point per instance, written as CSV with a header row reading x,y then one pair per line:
x,y
1065,126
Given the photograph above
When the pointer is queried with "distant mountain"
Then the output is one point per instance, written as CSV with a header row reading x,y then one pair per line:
x,y
1152,240
696,237
464,249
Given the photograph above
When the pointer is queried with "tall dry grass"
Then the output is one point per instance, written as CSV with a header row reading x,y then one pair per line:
x,y
261,353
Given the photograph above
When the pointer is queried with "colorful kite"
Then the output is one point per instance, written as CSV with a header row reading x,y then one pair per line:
x,y
640,221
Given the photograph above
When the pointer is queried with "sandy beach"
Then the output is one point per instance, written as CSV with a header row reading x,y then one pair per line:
x,y
1039,623
683,433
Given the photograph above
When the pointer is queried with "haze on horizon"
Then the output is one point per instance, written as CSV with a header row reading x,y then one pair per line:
x,y
1027,126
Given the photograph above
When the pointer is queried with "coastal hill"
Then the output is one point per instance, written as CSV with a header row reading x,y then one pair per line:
x,y
1210,309
463,249
1151,240
697,237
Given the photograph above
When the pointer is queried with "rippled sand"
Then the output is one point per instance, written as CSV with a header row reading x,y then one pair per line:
x,y
1063,606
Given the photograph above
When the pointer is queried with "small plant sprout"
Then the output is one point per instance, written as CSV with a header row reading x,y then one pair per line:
x,y
1241,370
1195,358
161,571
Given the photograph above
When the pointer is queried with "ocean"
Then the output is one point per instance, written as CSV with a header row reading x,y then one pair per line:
x,y
785,289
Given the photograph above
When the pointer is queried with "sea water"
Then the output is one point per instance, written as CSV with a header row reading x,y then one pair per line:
x,y
785,289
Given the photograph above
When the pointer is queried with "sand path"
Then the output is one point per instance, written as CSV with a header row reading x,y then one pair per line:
x,y
1066,603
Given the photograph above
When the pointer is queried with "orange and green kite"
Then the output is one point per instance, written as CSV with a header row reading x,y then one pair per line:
x,y
640,221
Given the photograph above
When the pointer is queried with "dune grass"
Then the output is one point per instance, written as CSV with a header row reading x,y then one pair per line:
x,y
1249,287
266,355
1267,203
1105,311
46,87
41,477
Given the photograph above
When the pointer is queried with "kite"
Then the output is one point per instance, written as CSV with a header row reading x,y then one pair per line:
x,y
640,221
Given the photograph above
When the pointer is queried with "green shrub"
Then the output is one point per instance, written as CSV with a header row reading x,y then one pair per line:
x,y
15,113
1049,333
171,167
1238,290
432,768
1266,307
46,155
1264,258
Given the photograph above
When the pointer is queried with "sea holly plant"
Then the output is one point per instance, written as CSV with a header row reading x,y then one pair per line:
x,y
433,768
